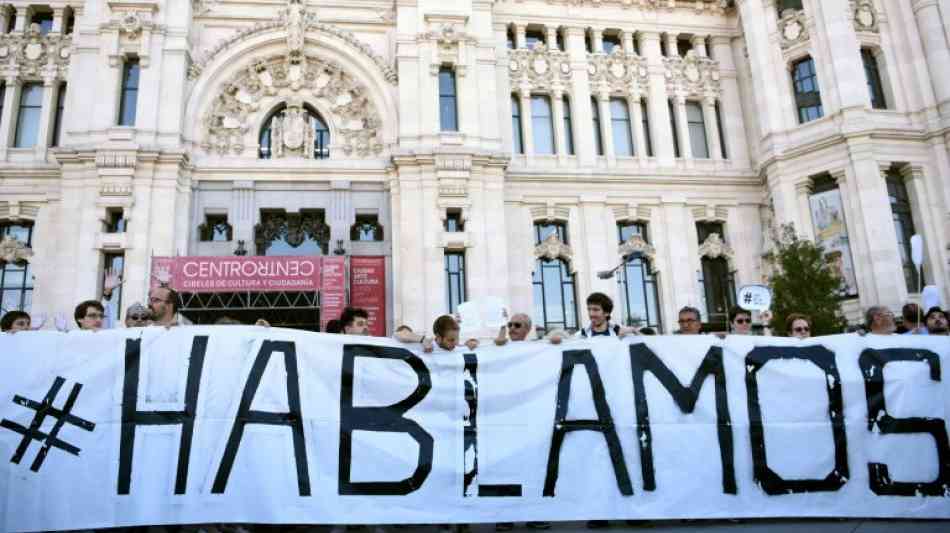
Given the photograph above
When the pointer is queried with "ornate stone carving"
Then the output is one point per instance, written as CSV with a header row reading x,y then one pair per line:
x,y
865,16
618,72
355,121
714,247
450,46
292,133
552,248
296,19
14,251
201,7
792,28
32,55
692,76
132,26
539,69
714,6
294,228
637,245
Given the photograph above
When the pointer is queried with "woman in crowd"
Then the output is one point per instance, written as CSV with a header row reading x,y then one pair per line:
x,y
798,325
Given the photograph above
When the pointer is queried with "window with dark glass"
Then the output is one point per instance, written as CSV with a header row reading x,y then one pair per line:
x,y
215,229
645,113
595,114
453,220
902,215
44,19
16,278
510,38
544,230
366,228
674,129
807,93
321,133
620,127
719,292
542,124
705,229
782,5
58,119
873,74
516,141
683,46
697,130
130,92
637,284
568,129
534,37
281,233
722,135
611,41
553,284
28,119
454,280
448,100
115,220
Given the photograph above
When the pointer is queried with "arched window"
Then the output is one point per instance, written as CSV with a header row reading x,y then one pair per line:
x,y
16,278
553,283
321,134
282,233
637,284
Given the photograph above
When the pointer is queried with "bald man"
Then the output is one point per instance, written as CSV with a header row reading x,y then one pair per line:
x,y
518,329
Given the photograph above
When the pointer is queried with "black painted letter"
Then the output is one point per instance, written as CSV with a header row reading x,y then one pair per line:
x,y
771,482
245,416
872,366
131,417
603,424
388,419
643,360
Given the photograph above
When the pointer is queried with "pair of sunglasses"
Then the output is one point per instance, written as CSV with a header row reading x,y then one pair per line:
x,y
138,317
743,321
802,329
515,325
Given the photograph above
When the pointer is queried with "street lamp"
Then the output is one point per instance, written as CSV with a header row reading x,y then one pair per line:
x,y
607,274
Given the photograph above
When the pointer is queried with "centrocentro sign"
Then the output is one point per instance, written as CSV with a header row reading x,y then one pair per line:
x,y
228,274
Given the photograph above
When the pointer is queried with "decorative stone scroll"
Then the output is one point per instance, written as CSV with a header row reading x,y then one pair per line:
x,y
355,122
792,28
714,247
552,248
692,76
714,6
539,69
636,244
865,16
32,55
618,73
14,251
450,46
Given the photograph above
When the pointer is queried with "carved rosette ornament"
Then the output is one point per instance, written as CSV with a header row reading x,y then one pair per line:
x,y
618,72
552,248
131,26
692,76
32,55
14,251
792,28
636,245
714,247
539,69
865,16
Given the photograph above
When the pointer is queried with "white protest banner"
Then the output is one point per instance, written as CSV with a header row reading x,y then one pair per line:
x,y
254,425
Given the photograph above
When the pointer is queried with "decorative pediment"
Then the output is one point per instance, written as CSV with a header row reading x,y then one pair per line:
x,y
864,16
132,24
792,28
552,248
618,73
31,55
637,245
714,247
14,251
450,45
692,76
539,69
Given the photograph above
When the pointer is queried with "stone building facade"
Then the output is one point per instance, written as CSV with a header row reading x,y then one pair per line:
x,y
509,148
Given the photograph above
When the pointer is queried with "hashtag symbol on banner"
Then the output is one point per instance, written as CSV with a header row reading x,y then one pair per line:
x,y
43,409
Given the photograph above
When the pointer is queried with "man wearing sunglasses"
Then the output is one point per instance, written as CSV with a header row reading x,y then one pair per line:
x,y
518,329
137,316
741,321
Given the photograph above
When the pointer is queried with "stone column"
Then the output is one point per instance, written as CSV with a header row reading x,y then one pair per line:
x,y
682,126
560,135
551,35
712,127
867,293
758,21
520,36
699,46
841,56
678,273
47,115
5,18
802,193
933,34
22,13
581,112
639,135
657,107
672,50
597,39
626,37
606,128
730,104
11,103
925,207
57,20
527,132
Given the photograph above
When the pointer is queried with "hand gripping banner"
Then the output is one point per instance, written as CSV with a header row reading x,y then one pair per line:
x,y
253,425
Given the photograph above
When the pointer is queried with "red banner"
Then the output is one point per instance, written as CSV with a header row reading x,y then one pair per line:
x,y
368,290
232,273
332,290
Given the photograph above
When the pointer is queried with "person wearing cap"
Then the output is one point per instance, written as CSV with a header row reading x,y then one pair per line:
x,y
936,320
137,316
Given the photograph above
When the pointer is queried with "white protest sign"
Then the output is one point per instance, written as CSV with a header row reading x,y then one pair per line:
x,y
755,298
251,425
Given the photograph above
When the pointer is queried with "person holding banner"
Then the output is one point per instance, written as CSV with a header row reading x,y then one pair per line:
x,y
798,325
741,322
937,323
355,321
14,321
137,316
163,301
913,320
689,321
89,315
446,332
879,320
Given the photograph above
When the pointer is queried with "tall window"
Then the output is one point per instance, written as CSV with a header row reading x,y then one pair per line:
x,y
517,144
595,113
807,93
904,225
453,220
715,279
454,280
620,126
722,135
542,124
611,41
283,233
366,228
321,133
683,46
44,19
58,120
674,129
568,130
215,229
636,283
28,119
697,130
873,74
448,100
130,92
646,127
16,279
553,284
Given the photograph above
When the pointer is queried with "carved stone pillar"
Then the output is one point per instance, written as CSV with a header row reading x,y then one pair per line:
x,y
672,50
11,100
606,128
802,192
636,124
933,35
657,106
712,128
597,38
560,135
520,36
551,35
627,40
527,132
47,114
699,46
682,127
22,14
